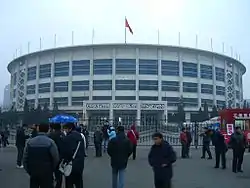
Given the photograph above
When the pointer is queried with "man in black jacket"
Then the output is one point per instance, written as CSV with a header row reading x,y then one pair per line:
x,y
71,142
20,144
57,135
98,137
119,150
238,144
206,139
41,159
161,157
220,149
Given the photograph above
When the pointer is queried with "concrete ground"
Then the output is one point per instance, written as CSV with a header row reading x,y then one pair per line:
x,y
188,173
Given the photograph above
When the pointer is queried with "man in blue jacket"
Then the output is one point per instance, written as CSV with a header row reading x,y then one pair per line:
x,y
161,157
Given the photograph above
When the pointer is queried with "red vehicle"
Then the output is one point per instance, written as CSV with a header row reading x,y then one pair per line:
x,y
230,118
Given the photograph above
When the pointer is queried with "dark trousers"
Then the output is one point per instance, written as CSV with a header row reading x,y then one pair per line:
x,y
206,148
184,150
237,159
134,151
5,141
20,150
75,179
188,149
45,181
98,149
220,154
163,183
58,176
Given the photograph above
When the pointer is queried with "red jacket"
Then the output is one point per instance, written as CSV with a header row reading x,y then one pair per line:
x,y
183,137
133,137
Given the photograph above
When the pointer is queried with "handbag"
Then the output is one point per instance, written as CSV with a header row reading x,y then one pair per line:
x,y
66,168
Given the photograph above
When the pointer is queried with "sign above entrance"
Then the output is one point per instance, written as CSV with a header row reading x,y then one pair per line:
x,y
152,106
124,106
97,106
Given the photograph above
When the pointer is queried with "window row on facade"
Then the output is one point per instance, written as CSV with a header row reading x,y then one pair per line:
x,y
172,101
127,67
146,85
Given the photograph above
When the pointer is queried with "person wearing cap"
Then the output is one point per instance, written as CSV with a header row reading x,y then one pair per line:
x,y
160,158
74,143
119,150
41,158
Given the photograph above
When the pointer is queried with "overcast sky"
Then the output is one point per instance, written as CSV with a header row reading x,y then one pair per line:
x,y
23,21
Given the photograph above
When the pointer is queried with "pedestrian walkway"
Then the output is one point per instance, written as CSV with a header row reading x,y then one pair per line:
x,y
188,173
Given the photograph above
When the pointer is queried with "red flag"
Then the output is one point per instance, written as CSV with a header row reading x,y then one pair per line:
x,y
128,26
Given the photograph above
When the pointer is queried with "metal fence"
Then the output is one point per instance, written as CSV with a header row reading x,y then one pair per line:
x,y
171,132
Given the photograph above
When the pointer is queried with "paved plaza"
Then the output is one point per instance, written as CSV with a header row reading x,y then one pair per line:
x,y
188,173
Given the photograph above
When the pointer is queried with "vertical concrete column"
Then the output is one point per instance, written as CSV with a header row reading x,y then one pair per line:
x,y
70,80
84,114
37,81
111,113
91,73
180,73
138,114
214,81
159,56
199,80
51,103
137,75
113,74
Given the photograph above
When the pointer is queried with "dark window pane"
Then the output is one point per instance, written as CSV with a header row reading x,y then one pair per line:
x,y
206,72
148,98
170,86
78,101
220,74
190,102
45,71
190,87
102,98
31,73
81,67
61,101
60,86
31,89
80,85
44,88
209,102
61,69
148,67
189,69
207,88
148,85
102,66
128,98
125,85
102,84
220,90
125,66
170,68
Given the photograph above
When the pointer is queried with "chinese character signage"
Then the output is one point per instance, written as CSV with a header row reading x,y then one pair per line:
x,y
230,129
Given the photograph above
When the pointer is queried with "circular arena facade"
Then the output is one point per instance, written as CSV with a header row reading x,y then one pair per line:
x,y
134,82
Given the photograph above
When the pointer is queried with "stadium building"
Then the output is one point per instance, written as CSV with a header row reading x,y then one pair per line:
x,y
136,82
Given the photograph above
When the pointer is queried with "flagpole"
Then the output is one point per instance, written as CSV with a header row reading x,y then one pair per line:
x,y
28,47
158,36
55,41
211,43
20,50
196,41
16,53
125,32
40,43
179,38
93,34
223,47
72,38
231,51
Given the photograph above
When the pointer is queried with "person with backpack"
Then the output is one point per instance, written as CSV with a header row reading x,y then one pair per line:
x,y
133,136
160,158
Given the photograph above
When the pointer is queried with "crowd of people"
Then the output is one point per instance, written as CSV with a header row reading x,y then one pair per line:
x,y
59,151
237,142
